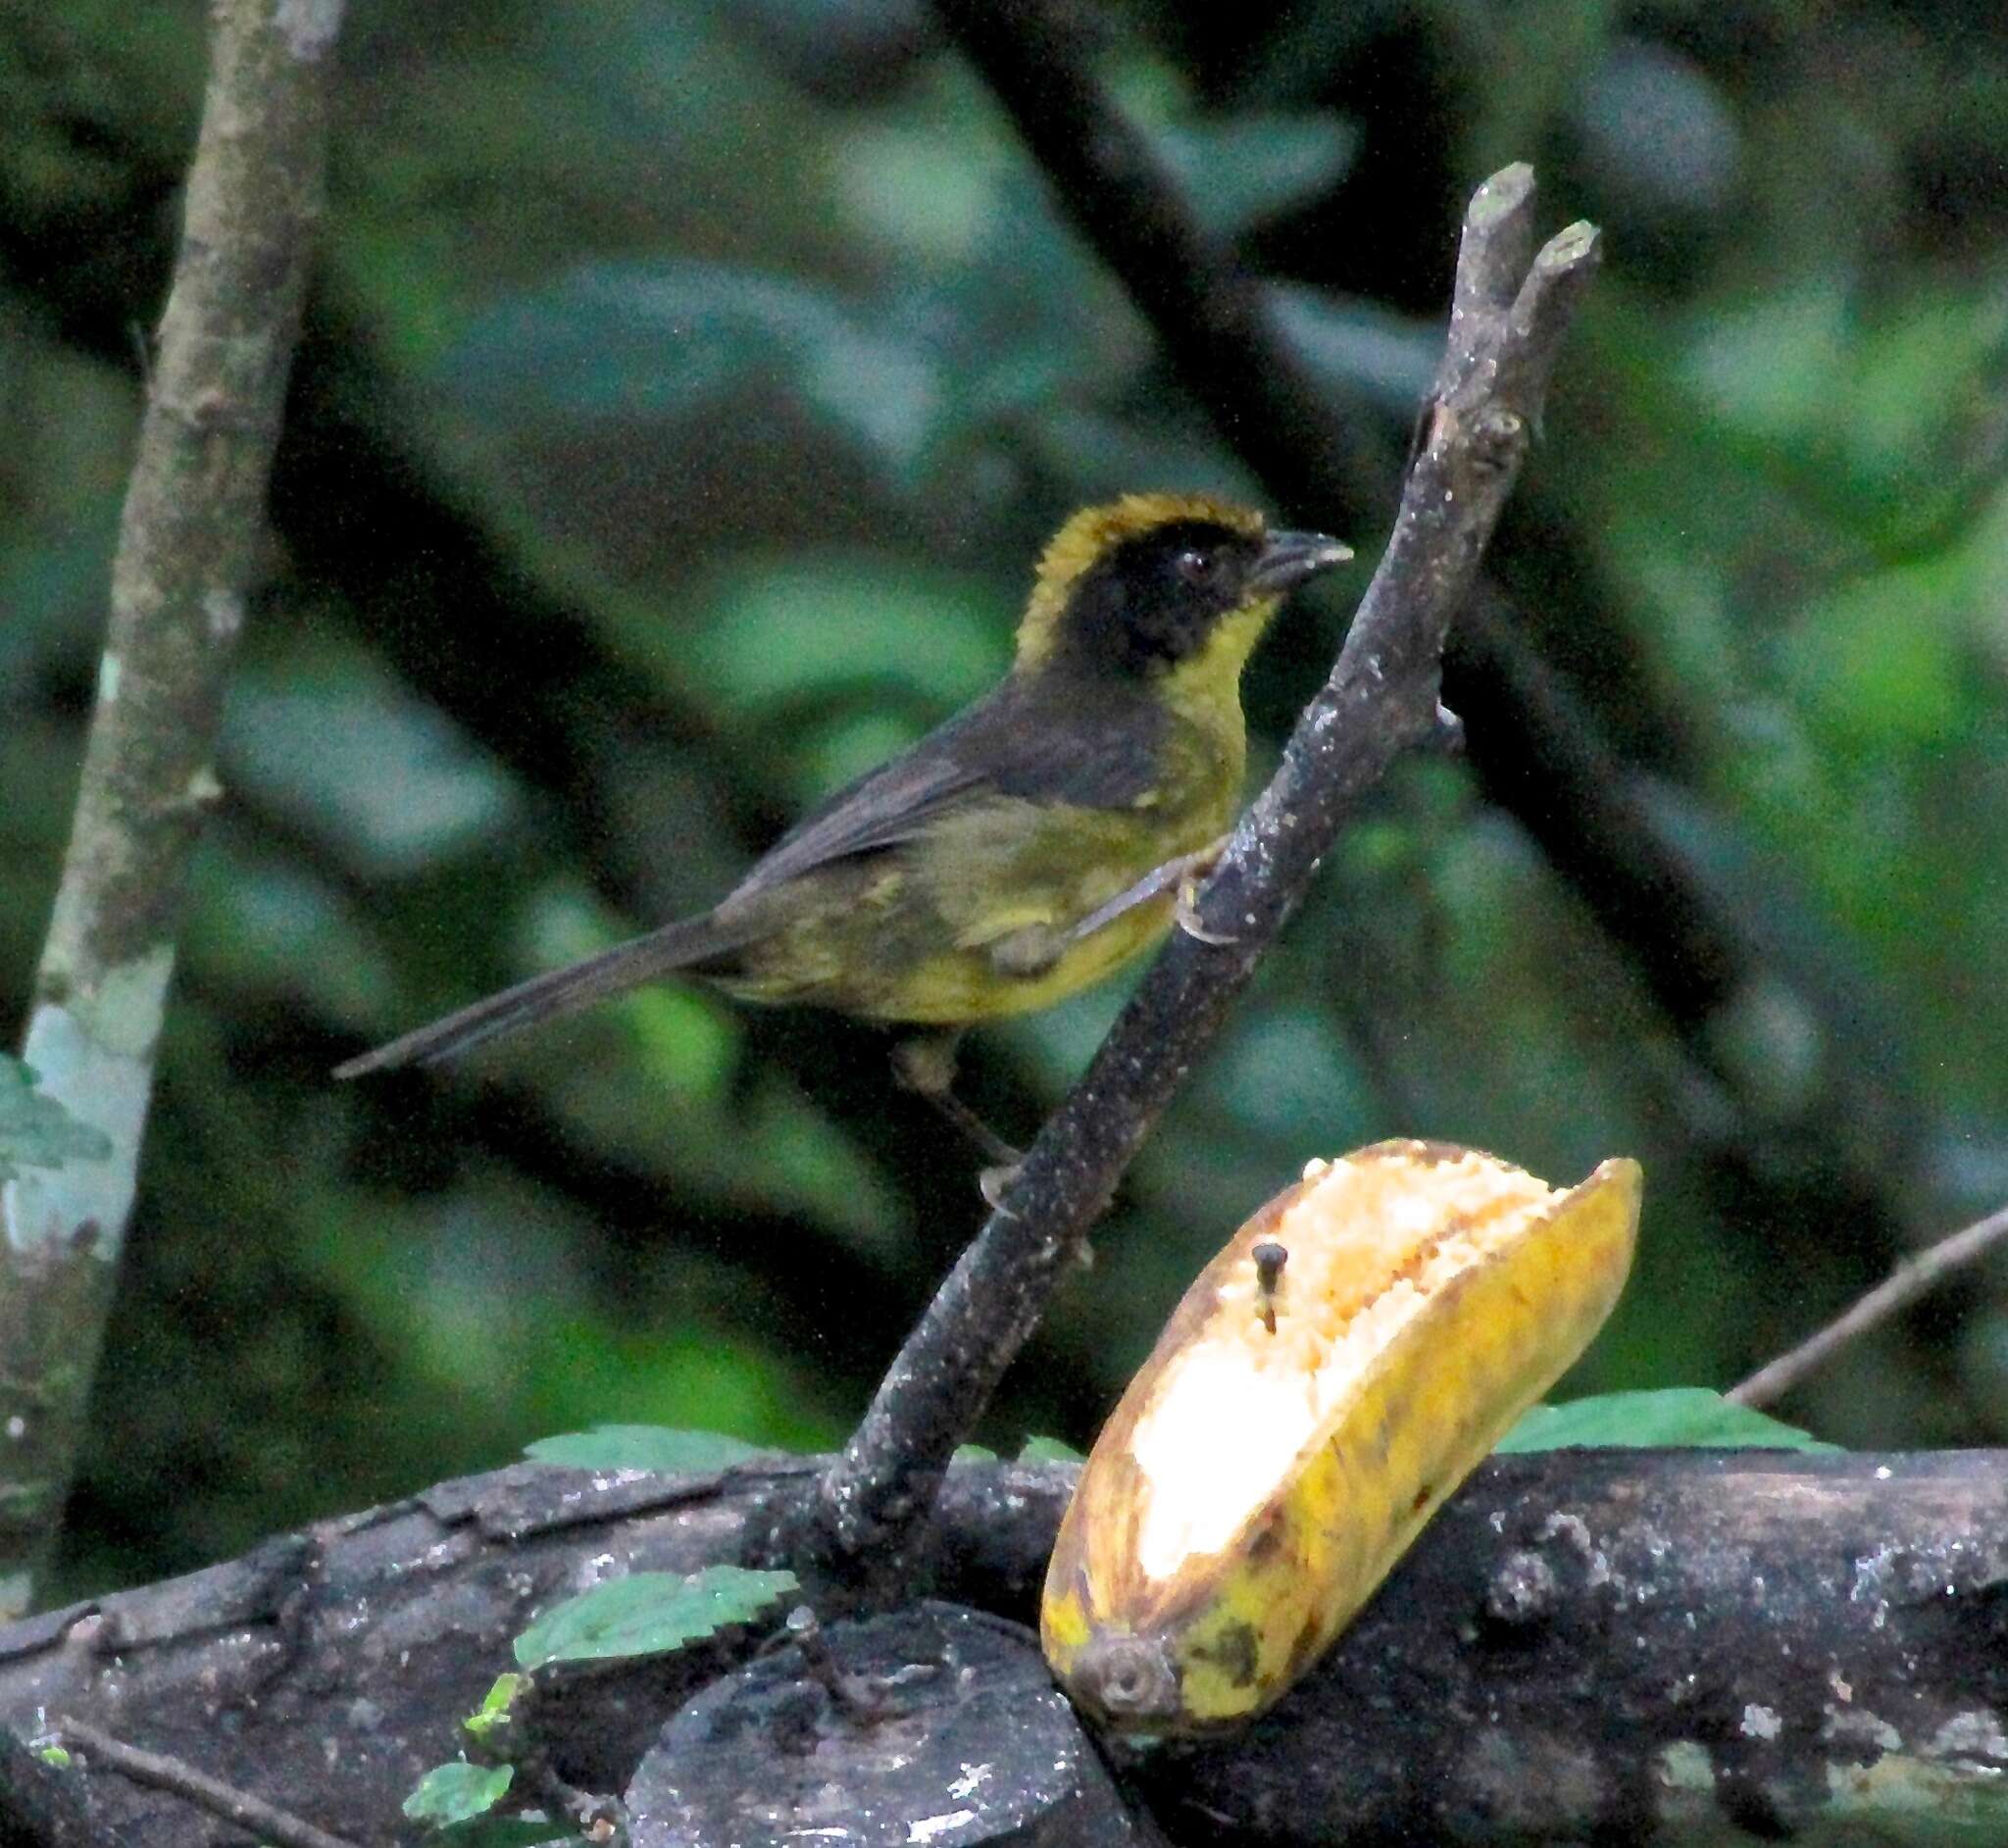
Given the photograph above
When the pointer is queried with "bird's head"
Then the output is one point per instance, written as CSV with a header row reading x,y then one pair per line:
x,y
1157,585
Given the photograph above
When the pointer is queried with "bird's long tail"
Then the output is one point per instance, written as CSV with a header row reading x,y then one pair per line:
x,y
680,945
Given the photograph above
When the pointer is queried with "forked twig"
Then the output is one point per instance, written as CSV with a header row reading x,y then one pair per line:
x,y
1512,310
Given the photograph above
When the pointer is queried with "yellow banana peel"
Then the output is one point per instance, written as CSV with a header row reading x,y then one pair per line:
x,y
1356,1350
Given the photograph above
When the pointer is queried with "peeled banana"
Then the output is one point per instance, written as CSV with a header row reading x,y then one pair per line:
x,y
1356,1350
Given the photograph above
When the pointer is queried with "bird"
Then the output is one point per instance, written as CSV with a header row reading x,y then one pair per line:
x,y
1028,846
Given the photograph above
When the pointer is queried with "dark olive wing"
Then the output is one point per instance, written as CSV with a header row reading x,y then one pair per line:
x,y
889,805
1026,741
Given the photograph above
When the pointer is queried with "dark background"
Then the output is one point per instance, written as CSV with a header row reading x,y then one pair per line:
x,y
686,390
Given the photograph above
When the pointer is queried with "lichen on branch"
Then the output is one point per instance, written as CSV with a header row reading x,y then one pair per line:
x,y
187,550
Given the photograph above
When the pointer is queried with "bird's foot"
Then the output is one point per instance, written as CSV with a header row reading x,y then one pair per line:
x,y
997,1181
1174,875
1189,869
1187,912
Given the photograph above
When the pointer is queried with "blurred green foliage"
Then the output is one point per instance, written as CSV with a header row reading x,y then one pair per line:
x,y
686,392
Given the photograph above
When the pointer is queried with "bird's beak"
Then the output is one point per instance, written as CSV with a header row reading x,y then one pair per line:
x,y
1290,558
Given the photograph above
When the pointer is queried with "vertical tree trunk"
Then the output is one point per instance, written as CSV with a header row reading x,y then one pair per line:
x,y
188,544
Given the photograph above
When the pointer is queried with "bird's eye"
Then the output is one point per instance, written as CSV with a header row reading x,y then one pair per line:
x,y
1194,565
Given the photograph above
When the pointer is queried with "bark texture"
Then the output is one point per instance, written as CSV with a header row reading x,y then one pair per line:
x,y
1619,1646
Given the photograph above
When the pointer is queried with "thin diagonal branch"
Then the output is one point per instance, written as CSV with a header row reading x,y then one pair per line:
x,y
187,549
1912,1279
1381,698
44,1804
162,1773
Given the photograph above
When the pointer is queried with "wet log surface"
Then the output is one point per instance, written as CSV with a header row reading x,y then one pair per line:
x,y
1616,1645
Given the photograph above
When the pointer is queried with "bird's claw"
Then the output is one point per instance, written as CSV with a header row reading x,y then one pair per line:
x,y
1186,913
996,1181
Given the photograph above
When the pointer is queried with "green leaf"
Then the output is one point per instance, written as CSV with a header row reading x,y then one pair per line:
x,y
677,339
647,1614
778,635
1674,1418
491,1723
457,1792
391,785
1237,174
1357,348
656,1448
37,1132
1884,658
261,921
1048,1450
1769,366
973,1452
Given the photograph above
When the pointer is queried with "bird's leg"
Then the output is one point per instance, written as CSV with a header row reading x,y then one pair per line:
x,y
1181,874
925,1063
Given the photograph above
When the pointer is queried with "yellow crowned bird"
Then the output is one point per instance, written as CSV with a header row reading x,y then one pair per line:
x,y
1026,848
